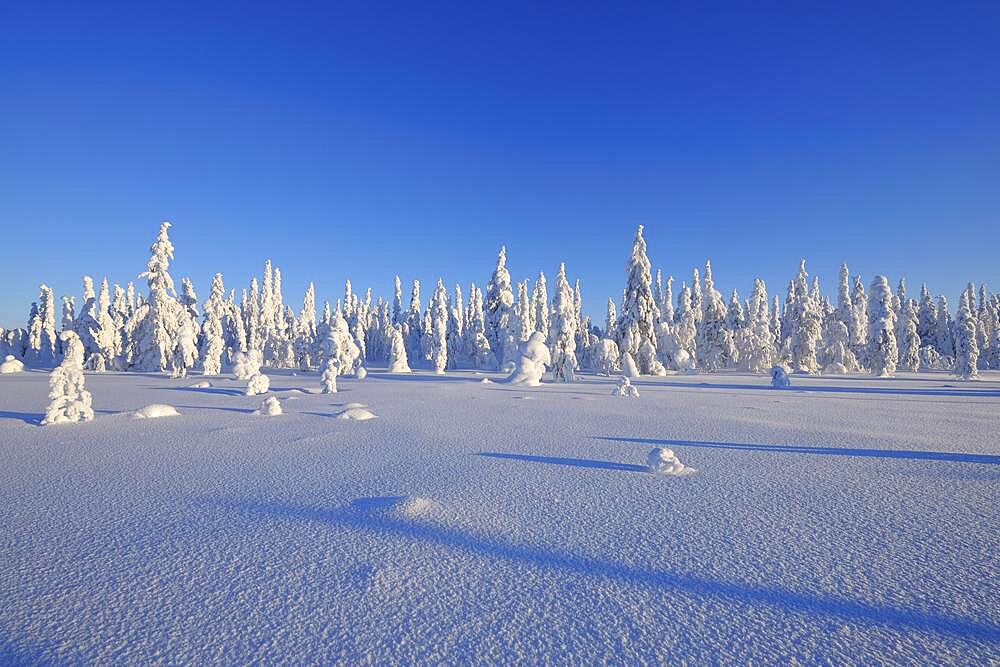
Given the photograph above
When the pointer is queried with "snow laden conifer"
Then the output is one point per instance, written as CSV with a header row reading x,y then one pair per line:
x,y
909,346
397,353
806,322
69,401
944,340
439,329
966,345
154,343
562,331
715,342
533,357
212,342
42,341
756,341
540,306
639,312
883,353
859,332
497,308
456,330
413,325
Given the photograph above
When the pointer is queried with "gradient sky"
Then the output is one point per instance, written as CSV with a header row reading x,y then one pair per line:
x,y
366,139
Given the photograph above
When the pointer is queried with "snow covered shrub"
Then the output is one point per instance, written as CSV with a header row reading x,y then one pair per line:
x,y
625,389
361,373
11,365
329,377
605,357
271,407
247,365
398,362
779,378
663,461
258,384
70,402
531,362
629,369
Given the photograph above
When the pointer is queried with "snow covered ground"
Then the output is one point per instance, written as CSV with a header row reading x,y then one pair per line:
x,y
844,519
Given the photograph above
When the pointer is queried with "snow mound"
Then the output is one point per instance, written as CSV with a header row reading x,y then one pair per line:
x,y
357,414
663,461
779,378
155,410
204,384
11,365
361,373
270,407
486,381
348,406
401,507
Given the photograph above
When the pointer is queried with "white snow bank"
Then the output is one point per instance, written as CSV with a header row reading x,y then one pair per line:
x,y
155,410
348,406
204,384
357,414
11,364
663,461
270,407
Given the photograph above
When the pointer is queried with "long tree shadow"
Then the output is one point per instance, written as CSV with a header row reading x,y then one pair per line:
x,y
890,391
33,418
918,455
863,613
562,461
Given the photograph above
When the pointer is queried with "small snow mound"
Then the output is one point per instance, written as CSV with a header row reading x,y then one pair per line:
x,y
155,410
204,384
663,461
11,364
402,507
486,381
348,406
270,407
625,389
357,414
779,378
361,373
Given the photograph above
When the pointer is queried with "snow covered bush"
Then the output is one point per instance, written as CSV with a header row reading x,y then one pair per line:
x,y
11,364
258,384
531,362
271,407
625,388
629,369
779,378
70,402
329,377
605,357
663,461
247,365
397,361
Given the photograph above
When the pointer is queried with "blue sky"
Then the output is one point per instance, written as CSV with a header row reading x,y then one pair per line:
x,y
363,140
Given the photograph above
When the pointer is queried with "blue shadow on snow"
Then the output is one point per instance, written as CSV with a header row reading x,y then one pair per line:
x,y
561,461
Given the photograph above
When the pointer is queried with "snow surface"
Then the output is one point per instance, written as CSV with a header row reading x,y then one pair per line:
x,y
843,520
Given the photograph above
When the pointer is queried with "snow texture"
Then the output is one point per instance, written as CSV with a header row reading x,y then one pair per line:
x,y
851,521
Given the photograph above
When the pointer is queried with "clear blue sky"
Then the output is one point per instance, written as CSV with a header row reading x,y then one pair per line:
x,y
361,140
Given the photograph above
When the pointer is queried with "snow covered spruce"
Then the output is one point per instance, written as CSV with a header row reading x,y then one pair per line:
x,y
652,330
70,402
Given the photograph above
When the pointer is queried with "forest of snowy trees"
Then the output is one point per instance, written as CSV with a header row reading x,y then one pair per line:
x,y
649,331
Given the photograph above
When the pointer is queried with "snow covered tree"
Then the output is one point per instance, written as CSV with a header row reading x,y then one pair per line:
x,y
42,330
328,379
533,357
397,301
696,294
611,321
212,343
562,330
413,325
397,359
883,353
154,343
540,306
966,345
439,328
715,347
639,312
756,341
523,319
498,307
859,332
185,353
806,322
667,305
944,341
909,346
70,402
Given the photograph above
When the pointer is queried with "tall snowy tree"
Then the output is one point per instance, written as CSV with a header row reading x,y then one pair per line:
x,y
439,328
212,343
540,306
944,340
42,348
562,330
154,343
497,308
70,402
715,347
966,345
638,316
909,345
883,353
806,323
